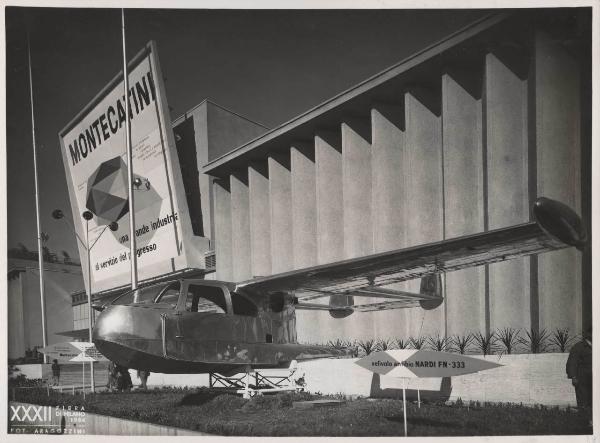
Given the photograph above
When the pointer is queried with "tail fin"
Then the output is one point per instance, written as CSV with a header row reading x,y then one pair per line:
x,y
431,285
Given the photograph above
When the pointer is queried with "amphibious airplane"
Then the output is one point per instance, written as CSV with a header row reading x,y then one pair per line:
x,y
204,326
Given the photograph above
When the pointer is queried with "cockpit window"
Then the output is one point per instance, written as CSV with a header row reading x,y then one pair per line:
x,y
205,299
170,295
145,295
243,306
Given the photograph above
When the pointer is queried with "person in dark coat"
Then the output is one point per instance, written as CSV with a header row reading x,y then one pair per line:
x,y
55,373
123,379
579,370
113,374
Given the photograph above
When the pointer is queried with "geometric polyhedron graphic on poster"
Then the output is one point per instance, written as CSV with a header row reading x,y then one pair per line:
x,y
107,195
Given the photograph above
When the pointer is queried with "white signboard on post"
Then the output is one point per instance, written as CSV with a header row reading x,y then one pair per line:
x,y
73,351
414,363
94,155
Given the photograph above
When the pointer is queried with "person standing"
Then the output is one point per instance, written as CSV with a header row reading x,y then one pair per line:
x,y
55,373
112,376
123,379
143,376
579,370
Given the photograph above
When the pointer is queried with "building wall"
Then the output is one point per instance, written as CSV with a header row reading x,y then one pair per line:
x,y
465,150
24,308
216,132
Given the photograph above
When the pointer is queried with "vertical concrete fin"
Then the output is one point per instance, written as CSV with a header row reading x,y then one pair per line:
x,y
304,204
222,214
304,231
280,197
424,193
507,186
330,212
356,182
388,177
240,226
260,219
558,153
357,198
330,208
388,189
463,195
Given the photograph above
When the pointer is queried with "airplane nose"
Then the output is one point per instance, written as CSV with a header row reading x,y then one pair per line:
x,y
111,324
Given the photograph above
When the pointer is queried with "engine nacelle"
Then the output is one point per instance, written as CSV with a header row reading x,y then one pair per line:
x,y
431,285
339,301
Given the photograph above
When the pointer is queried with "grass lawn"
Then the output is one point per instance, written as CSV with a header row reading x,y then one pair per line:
x,y
272,415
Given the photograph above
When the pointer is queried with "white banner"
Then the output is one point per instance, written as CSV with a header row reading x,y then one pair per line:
x,y
94,155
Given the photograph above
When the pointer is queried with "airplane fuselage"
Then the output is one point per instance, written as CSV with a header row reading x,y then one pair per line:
x,y
199,326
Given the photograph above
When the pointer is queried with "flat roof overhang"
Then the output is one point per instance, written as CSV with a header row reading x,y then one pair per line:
x,y
419,70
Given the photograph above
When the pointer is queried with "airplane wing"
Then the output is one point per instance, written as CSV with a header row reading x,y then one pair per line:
x,y
555,226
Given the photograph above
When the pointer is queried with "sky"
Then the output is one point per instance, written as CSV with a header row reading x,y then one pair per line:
x,y
267,65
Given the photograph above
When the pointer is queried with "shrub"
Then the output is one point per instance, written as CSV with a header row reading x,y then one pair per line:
x,y
509,337
338,344
401,343
417,342
485,343
367,346
383,344
535,341
438,343
461,343
561,340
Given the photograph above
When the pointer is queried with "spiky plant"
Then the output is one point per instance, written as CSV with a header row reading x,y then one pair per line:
x,y
402,343
535,340
337,344
461,343
509,337
367,346
485,343
438,343
561,339
417,342
355,349
383,344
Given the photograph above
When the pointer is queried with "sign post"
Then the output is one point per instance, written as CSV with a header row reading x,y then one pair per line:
x,y
74,351
404,406
83,379
413,363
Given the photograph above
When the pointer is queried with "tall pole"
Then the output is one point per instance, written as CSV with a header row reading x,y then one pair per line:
x,y
132,248
37,209
89,298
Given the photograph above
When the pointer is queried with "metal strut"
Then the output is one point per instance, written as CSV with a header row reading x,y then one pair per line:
x,y
257,385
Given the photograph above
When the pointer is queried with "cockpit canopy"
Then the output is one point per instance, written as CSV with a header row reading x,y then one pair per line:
x,y
195,297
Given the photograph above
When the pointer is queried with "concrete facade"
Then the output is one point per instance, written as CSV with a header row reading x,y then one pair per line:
x,y
425,151
215,131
